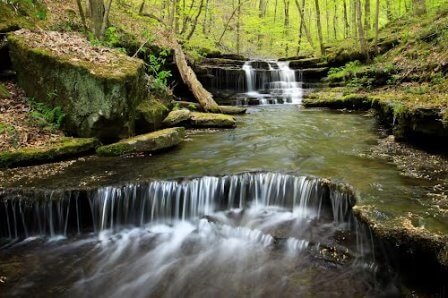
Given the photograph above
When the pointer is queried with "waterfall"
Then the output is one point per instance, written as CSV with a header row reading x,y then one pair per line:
x,y
53,213
272,82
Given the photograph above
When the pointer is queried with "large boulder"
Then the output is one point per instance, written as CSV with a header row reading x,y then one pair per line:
x,y
150,114
150,142
97,88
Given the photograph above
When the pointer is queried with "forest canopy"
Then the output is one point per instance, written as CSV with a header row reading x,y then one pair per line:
x,y
269,28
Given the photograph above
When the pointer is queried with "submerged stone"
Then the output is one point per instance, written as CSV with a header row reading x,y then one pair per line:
x,y
232,110
98,89
150,142
176,117
212,120
66,147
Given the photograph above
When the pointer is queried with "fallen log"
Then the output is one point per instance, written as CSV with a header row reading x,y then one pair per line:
x,y
204,97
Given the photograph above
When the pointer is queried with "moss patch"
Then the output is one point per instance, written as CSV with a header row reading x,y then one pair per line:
x,y
63,148
150,142
212,120
97,92
150,114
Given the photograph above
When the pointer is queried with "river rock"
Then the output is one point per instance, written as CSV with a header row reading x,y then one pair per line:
x,y
150,114
176,117
212,120
97,88
232,110
150,142
66,147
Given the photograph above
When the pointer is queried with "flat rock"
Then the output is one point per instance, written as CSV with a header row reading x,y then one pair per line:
x,y
154,141
212,120
66,147
232,110
177,116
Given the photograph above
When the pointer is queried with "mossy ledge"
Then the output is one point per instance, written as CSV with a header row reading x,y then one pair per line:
x,y
98,91
407,121
150,142
64,148
413,247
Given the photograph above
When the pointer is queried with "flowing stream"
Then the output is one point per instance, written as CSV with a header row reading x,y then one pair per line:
x,y
229,213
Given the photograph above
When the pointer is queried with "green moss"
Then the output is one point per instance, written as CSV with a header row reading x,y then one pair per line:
x,y
212,120
150,114
63,148
97,100
150,142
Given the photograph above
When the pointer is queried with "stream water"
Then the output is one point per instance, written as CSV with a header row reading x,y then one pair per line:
x,y
229,213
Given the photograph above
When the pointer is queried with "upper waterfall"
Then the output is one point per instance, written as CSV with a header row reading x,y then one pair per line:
x,y
272,82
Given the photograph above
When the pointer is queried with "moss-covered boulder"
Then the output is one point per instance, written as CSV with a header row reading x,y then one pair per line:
x,y
212,120
177,117
97,88
150,114
66,147
150,142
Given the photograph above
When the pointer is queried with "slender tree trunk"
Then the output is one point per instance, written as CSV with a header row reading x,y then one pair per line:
x,y
105,19
388,11
335,20
377,22
204,24
362,39
302,22
195,22
82,15
367,16
301,9
238,28
354,23
346,23
319,28
327,19
419,7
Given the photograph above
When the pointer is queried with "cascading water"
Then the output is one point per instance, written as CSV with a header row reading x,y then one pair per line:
x,y
272,82
253,234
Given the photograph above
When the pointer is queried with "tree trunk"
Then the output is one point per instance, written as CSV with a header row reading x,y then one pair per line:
x,y
305,27
419,7
319,28
367,16
195,22
377,22
105,19
96,16
238,28
204,97
335,20
346,23
362,39
82,15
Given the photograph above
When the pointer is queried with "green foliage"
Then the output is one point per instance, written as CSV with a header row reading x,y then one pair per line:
x,y
4,92
11,132
45,116
345,72
156,64
192,107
